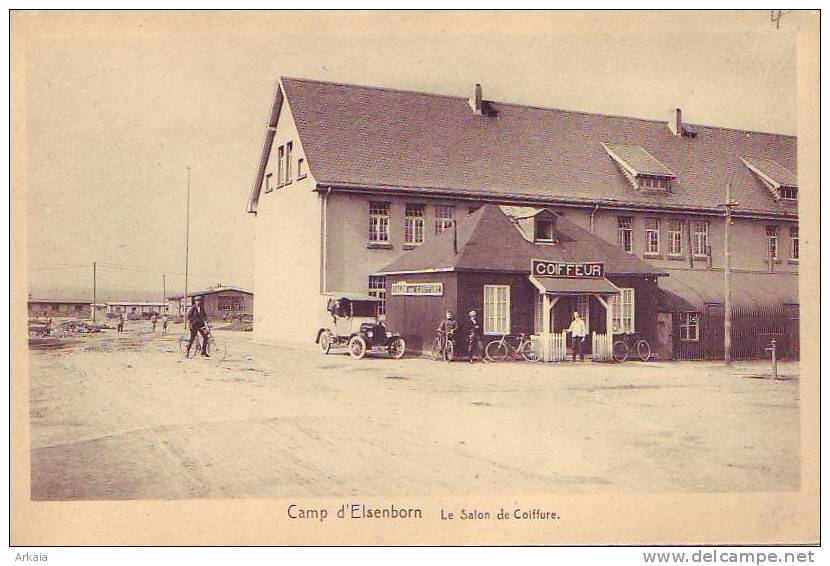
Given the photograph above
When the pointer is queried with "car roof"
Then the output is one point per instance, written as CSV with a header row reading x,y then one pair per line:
x,y
353,297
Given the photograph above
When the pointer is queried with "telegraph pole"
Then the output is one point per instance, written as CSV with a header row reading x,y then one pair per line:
x,y
727,280
164,290
94,289
187,239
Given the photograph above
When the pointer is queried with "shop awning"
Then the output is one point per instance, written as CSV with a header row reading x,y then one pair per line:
x,y
575,285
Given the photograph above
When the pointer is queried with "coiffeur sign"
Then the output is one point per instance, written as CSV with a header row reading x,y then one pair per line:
x,y
544,268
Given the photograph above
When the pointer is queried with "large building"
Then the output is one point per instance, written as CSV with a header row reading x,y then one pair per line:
x,y
220,301
352,178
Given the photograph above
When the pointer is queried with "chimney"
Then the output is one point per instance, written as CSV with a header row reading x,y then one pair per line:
x,y
475,101
676,122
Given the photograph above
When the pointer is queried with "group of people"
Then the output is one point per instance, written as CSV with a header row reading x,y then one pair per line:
x,y
154,319
449,327
197,321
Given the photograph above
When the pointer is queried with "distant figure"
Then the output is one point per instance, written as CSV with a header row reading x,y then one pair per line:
x,y
120,324
165,320
474,338
154,319
447,329
578,332
197,318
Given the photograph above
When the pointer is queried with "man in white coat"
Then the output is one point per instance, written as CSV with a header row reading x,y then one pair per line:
x,y
578,333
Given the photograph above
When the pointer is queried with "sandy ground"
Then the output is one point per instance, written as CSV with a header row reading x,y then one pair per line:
x,y
128,417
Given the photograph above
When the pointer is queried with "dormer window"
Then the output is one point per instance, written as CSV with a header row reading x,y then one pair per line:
x,y
642,169
780,181
544,230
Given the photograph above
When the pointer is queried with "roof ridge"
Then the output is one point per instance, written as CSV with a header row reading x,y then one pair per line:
x,y
530,106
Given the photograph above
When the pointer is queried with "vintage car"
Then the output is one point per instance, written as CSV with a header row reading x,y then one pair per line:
x,y
353,323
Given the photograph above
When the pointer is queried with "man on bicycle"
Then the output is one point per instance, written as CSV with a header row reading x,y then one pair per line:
x,y
447,330
197,318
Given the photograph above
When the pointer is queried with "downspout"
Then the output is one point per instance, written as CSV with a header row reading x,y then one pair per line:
x,y
323,234
596,207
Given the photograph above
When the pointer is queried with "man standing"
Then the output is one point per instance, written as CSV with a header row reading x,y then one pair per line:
x,y
197,318
165,320
474,337
447,330
120,324
578,333
154,319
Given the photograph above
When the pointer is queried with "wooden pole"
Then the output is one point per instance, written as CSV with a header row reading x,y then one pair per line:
x,y
94,289
187,238
727,281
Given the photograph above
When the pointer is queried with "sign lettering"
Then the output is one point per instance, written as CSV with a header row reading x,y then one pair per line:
x,y
544,268
418,289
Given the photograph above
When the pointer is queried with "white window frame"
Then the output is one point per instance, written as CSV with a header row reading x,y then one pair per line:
x,y
772,234
301,169
543,222
377,288
414,223
652,235
622,311
444,216
686,327
795,251
497,309
269,182
583,307
538,312
625,233
788,193
289,146
379,219
675,237
280,166
700,238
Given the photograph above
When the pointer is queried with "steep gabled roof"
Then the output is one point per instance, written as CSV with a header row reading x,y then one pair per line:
x,y
488,240
637,161
772,172
375,138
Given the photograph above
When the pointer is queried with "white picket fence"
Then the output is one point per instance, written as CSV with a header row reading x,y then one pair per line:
x,y
554,347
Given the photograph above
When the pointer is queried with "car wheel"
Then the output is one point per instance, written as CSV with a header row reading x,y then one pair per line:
x,y
326,341
397,347
357,347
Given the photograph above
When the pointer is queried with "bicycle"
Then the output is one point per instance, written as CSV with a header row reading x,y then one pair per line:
x,y
499,350
630,342
213,349
443,347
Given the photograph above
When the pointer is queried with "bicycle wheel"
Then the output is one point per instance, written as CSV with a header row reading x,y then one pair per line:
x,y
215,349
195,349
620,351
528,352
435,352
449,351
496,351
643,350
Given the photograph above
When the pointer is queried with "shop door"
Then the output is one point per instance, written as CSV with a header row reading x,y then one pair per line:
x,y
665,336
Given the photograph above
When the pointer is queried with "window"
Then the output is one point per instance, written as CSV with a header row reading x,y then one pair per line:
x,y
690,327
583,307
772,241
229,303
787,192
378,221
497,309
280,169
544,230
624,232
414,224
301,172
700,238
269,183
652,235
377,288
675,237
622,310
793,242
288,177
654,183
538,310
443,218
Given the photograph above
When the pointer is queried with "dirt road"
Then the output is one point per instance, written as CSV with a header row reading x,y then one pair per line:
x,y
128,417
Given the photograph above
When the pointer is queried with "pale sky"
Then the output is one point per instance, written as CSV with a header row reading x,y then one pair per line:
x,y
116,106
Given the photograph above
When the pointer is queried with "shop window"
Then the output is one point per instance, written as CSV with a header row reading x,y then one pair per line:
x,y
497,309
675,237
269,183
378,221
414,224
690,327
544,230
772,241
538,311
288,178
229,303
443,218
625,232
622,310
793,242
377,288
583,307
280,168
652,235
700,238
301,171
660,183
